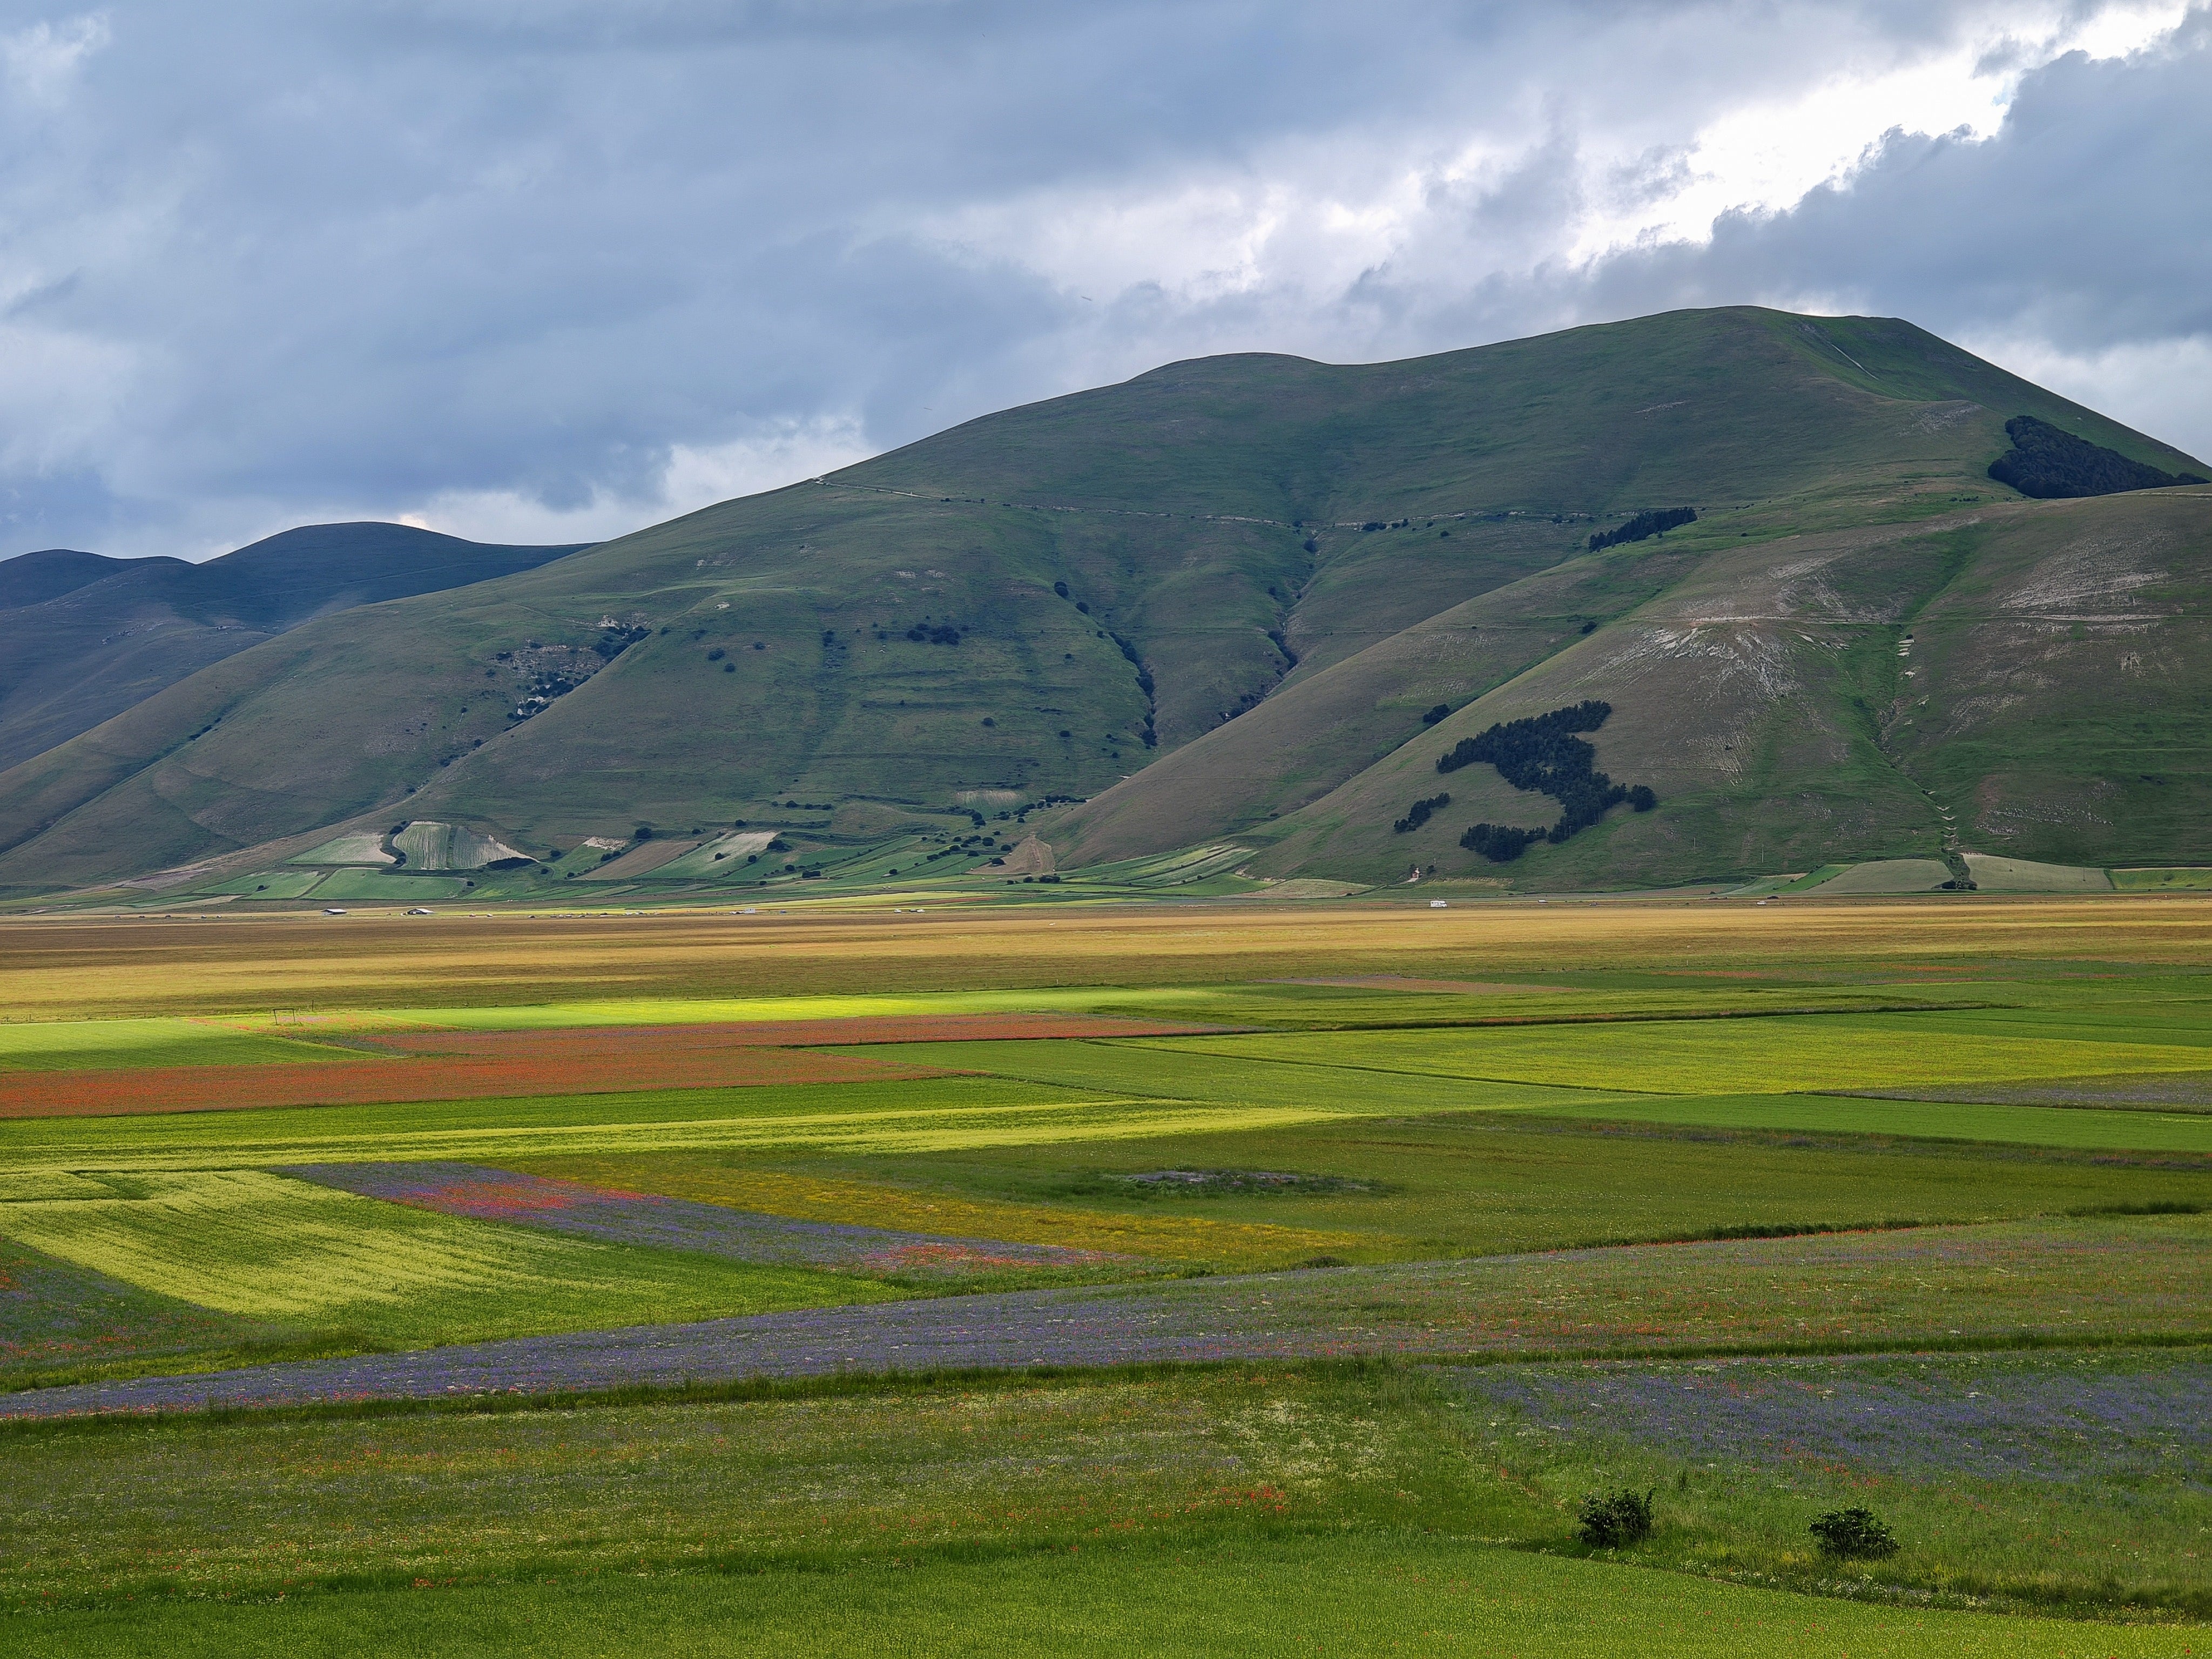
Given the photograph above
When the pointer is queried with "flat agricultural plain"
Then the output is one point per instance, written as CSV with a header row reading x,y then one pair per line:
x,y
1073,1279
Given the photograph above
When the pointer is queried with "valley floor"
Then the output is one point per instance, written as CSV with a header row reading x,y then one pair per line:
x,y
1162,1278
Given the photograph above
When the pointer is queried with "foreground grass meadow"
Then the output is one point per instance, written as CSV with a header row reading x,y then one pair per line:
x,y
1069,1279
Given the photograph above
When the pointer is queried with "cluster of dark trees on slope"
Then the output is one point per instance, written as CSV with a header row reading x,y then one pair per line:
x,y
1542,754
1420,812
2051,464
1643,526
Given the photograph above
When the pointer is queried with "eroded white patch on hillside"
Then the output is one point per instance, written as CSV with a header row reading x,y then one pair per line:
x,y
2095,576
1938,417
1737,658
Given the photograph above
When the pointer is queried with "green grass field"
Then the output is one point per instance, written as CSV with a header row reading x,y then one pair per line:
x,y
1272,1511
1360,1596
1473,1183
247,1243
1602,1226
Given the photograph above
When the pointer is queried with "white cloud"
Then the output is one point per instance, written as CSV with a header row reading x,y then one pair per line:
x,y
2154,387
543,274
40,62
60,397
693,477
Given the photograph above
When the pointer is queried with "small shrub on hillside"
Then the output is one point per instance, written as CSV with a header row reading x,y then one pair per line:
x,y
1854,1535
1608,1520
1441,711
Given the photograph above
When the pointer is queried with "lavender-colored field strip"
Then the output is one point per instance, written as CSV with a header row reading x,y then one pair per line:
x,y
2052,1281
675,1224
1012,1330
2048,1418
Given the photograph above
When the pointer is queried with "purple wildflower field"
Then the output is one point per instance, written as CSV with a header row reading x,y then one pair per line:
x,y
2064,1418
616,1217
2066,1280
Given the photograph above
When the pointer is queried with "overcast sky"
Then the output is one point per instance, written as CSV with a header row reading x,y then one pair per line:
x,y
545,270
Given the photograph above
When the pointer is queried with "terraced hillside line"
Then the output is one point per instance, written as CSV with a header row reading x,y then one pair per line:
x,y
342,1083
2089,1283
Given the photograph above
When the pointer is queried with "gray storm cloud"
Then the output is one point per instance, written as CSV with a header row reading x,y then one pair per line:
x,y
558,270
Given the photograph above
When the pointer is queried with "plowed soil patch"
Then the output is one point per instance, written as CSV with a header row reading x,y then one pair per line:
x,y
778,1034
521,1071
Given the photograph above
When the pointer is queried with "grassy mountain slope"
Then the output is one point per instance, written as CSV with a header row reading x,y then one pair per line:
x,y
2058,694
34,578
2038,671
1266,566
84,637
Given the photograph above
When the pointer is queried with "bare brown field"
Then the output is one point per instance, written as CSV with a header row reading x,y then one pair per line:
x,y
55,968
562,1069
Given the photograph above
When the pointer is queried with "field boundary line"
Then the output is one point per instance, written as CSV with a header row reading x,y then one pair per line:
x,y
1440,1076
1662,1016
764,1386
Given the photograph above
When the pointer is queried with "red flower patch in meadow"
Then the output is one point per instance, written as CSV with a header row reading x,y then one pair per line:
x,y
548,1069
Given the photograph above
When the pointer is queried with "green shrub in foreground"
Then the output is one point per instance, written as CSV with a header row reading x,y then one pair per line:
x,y
1610,1520
1854,1535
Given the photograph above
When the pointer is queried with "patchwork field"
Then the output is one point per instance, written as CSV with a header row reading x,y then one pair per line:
x,y
846,1282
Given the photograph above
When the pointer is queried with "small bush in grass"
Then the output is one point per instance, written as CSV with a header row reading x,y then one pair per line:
x,y
1854,1535
1610,1520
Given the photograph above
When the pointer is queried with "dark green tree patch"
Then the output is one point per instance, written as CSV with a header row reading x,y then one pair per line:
x,y
1420,812
1441,711
1501,843
1543,754
2051,464
1643,526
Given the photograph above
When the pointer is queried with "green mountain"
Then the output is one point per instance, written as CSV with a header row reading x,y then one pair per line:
x,y
83,637
1211,607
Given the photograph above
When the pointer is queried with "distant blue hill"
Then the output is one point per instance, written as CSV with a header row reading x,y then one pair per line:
x,y
83,636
